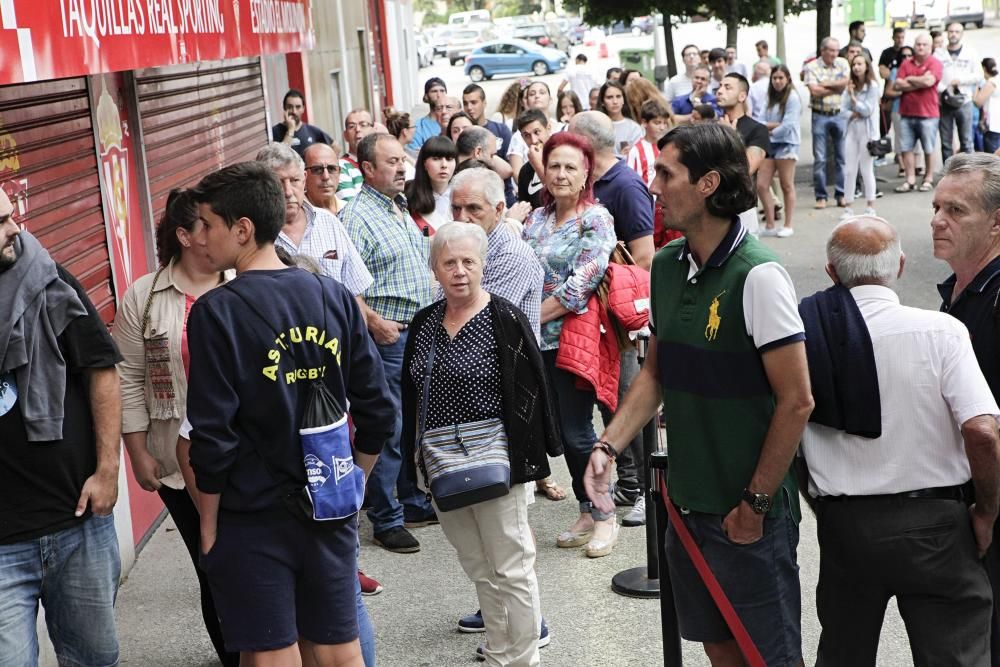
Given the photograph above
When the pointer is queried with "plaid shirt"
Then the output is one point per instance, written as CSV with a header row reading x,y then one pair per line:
x,y
326,241
817,72
512,271
351,178
393,250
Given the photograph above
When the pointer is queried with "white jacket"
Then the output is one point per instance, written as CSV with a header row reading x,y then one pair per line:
x,y
965,67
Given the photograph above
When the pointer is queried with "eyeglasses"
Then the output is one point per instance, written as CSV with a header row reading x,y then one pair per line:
x,y
358,126
317,170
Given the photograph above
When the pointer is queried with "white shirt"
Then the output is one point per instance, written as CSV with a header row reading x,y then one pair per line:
x,y
679,84
442,210
627,133
758,98
326,240
581,82
993,106
929,385
738,68
519,147
964,66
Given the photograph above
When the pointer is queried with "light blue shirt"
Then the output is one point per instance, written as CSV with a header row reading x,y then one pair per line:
x,y
788,131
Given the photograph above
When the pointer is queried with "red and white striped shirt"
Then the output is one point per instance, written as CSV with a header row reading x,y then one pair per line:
x,y
641,158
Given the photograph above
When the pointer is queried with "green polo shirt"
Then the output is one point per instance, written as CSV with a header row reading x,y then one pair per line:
x,y
712,324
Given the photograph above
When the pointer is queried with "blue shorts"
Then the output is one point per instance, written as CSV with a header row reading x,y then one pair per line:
x,y
913,129
783,151
761,581
280,578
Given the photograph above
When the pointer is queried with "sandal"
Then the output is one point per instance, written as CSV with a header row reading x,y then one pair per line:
x,y
906,187
550,489
926,186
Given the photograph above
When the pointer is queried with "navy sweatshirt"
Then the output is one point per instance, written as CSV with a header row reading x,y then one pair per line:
x,y
250,377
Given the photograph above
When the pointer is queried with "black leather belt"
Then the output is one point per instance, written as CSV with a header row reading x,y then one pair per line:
x,y
936,493
826,113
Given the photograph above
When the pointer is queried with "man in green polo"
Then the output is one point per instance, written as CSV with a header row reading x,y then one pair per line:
x,y
728,361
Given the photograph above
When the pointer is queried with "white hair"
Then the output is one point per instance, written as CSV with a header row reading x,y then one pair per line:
x,y
278,155
485,181
457,231
590,125
858,268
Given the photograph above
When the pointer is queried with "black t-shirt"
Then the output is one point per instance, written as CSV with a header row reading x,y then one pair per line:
x,y
40,482
305,136
890,57
976,308
754,134
529,186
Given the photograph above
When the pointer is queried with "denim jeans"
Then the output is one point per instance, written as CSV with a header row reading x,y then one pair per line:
x,y
388,492
991,142
822,128
74,573
366,631
950,117
576,417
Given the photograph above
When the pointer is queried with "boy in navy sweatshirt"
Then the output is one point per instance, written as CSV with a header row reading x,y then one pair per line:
x,y
282,582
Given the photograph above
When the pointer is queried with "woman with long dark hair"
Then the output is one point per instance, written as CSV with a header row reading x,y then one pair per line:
x,y
151,332
573,237
611,102
428,195
567,106
456,124
860,106
784,109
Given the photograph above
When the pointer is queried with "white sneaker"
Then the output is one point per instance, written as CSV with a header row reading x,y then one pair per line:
x,y
769,231
785,232
848,213
637,515
870,211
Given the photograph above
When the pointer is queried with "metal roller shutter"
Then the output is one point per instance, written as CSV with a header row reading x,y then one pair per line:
x,y
197,118
49,164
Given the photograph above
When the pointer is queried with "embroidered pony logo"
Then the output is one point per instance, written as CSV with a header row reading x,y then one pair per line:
x,y
712,328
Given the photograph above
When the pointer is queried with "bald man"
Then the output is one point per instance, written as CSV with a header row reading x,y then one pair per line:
x,y
322,177
889,480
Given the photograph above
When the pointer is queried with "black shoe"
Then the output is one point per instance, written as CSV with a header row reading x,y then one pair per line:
x,y
878,194
420,521
397,540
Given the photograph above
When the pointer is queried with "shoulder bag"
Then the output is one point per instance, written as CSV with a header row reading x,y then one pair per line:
x,y
463,464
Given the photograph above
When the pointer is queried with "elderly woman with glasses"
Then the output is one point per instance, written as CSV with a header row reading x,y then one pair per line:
x,y
472,365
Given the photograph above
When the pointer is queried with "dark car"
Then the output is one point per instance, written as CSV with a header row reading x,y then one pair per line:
x,y
544,34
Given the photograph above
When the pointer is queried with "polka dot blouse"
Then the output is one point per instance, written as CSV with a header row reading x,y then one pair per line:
x,y
465,380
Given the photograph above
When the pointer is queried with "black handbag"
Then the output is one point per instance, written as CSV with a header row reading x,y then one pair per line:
x,y
953,99
880,147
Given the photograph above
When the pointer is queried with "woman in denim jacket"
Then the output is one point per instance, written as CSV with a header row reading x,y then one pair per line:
x,y
860,106
784,107
151,332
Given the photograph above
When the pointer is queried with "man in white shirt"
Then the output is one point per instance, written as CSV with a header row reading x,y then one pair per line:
x,y
961,74
896,514
311,230
732,65
580,80
758,90
680,84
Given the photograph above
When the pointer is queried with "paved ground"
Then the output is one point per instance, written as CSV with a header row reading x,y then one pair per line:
x,y
426,592
158,611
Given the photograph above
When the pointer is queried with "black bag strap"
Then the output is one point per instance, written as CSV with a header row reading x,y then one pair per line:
x,y
425,395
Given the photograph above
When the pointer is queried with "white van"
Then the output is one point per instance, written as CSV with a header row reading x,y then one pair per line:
x,y
465,18
935,13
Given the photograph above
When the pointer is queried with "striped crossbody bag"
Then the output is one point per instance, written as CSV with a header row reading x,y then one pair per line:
x,y
463,464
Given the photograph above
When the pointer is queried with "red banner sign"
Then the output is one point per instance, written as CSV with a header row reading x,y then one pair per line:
x,y
51,39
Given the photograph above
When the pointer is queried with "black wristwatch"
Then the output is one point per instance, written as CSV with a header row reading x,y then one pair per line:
x,y
760,503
